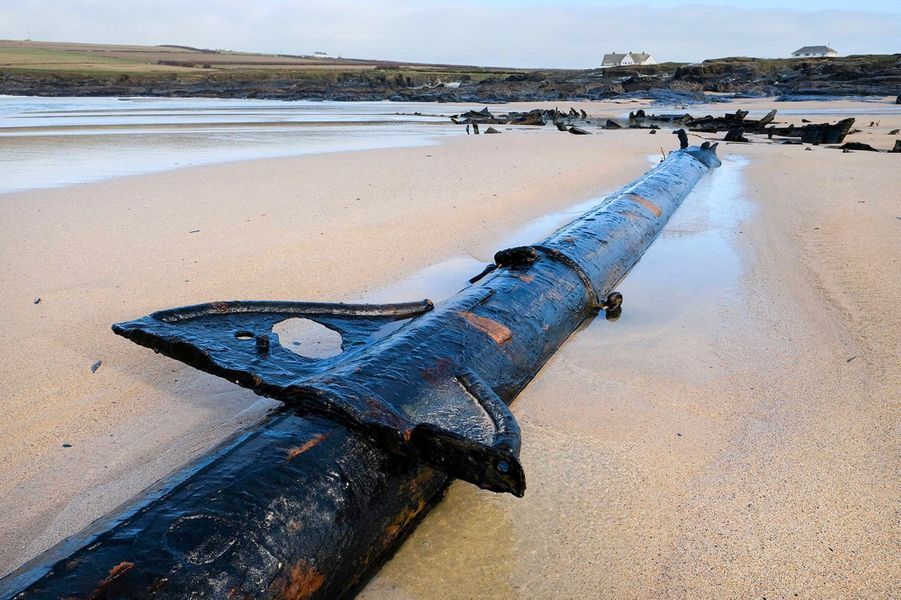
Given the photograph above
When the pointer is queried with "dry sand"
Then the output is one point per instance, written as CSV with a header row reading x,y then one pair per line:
x,y
733,435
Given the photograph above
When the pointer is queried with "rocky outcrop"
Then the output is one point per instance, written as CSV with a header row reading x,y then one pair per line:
x,y
672,84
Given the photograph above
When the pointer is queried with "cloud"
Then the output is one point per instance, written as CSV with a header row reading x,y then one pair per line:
x,y
571,34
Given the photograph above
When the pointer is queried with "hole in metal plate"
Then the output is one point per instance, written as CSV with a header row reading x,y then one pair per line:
x,y
308,338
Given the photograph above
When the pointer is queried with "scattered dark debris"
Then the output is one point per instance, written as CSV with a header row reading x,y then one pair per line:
x,y
821,133
849,146
858,146
894,132
850,359
708,124
736,134
37,300
67,445
194,231
736,125
653,131
536,116
96,366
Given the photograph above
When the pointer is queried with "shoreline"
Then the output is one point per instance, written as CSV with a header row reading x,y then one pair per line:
x,y
116,147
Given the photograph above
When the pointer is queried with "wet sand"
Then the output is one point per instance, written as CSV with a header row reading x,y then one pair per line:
x,y
734,434
329,227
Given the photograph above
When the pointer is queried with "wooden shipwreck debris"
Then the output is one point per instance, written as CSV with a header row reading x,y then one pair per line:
x,y
310,502
709,124
817,133
737,125
535,117
826,133
736,134
641,120
860,146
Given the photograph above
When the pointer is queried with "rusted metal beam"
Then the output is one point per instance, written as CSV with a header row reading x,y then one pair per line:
x,y
311,502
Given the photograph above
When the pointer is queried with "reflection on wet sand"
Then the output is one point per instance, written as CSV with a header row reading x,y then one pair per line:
x,y
599,492
52,142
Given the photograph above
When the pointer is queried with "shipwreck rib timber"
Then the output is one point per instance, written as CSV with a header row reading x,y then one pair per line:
x,y
311,502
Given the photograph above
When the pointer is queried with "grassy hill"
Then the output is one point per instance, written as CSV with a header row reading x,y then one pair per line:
x,y
70,69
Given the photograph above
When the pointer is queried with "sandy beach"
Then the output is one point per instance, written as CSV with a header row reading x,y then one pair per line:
x,y
734,434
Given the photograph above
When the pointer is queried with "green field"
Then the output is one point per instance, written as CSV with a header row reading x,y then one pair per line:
x,y
189,63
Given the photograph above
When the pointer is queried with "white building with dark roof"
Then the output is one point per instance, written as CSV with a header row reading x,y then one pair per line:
x,y
814,51
629,58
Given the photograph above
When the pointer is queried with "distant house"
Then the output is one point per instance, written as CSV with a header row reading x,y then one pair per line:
x,y
320,54
629,58
814,51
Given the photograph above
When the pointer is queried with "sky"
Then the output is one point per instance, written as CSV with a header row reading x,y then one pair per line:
x,y
526,33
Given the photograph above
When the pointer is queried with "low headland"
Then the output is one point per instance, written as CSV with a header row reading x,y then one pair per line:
x,y
65,69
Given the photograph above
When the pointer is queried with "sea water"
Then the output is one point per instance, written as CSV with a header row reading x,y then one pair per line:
x,y
52,142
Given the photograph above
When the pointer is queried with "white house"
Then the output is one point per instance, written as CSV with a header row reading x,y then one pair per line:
x,y
629,58
320,54
814,51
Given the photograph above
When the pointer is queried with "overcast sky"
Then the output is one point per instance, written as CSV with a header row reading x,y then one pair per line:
x,y
542,33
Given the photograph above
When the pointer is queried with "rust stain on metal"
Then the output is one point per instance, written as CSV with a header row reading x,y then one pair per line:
x,y
303,581
440,371
501,334
403,519
297,451
632,216
114,574
118,570
647,204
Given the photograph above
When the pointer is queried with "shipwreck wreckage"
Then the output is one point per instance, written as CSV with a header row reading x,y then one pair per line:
x,y
310,502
